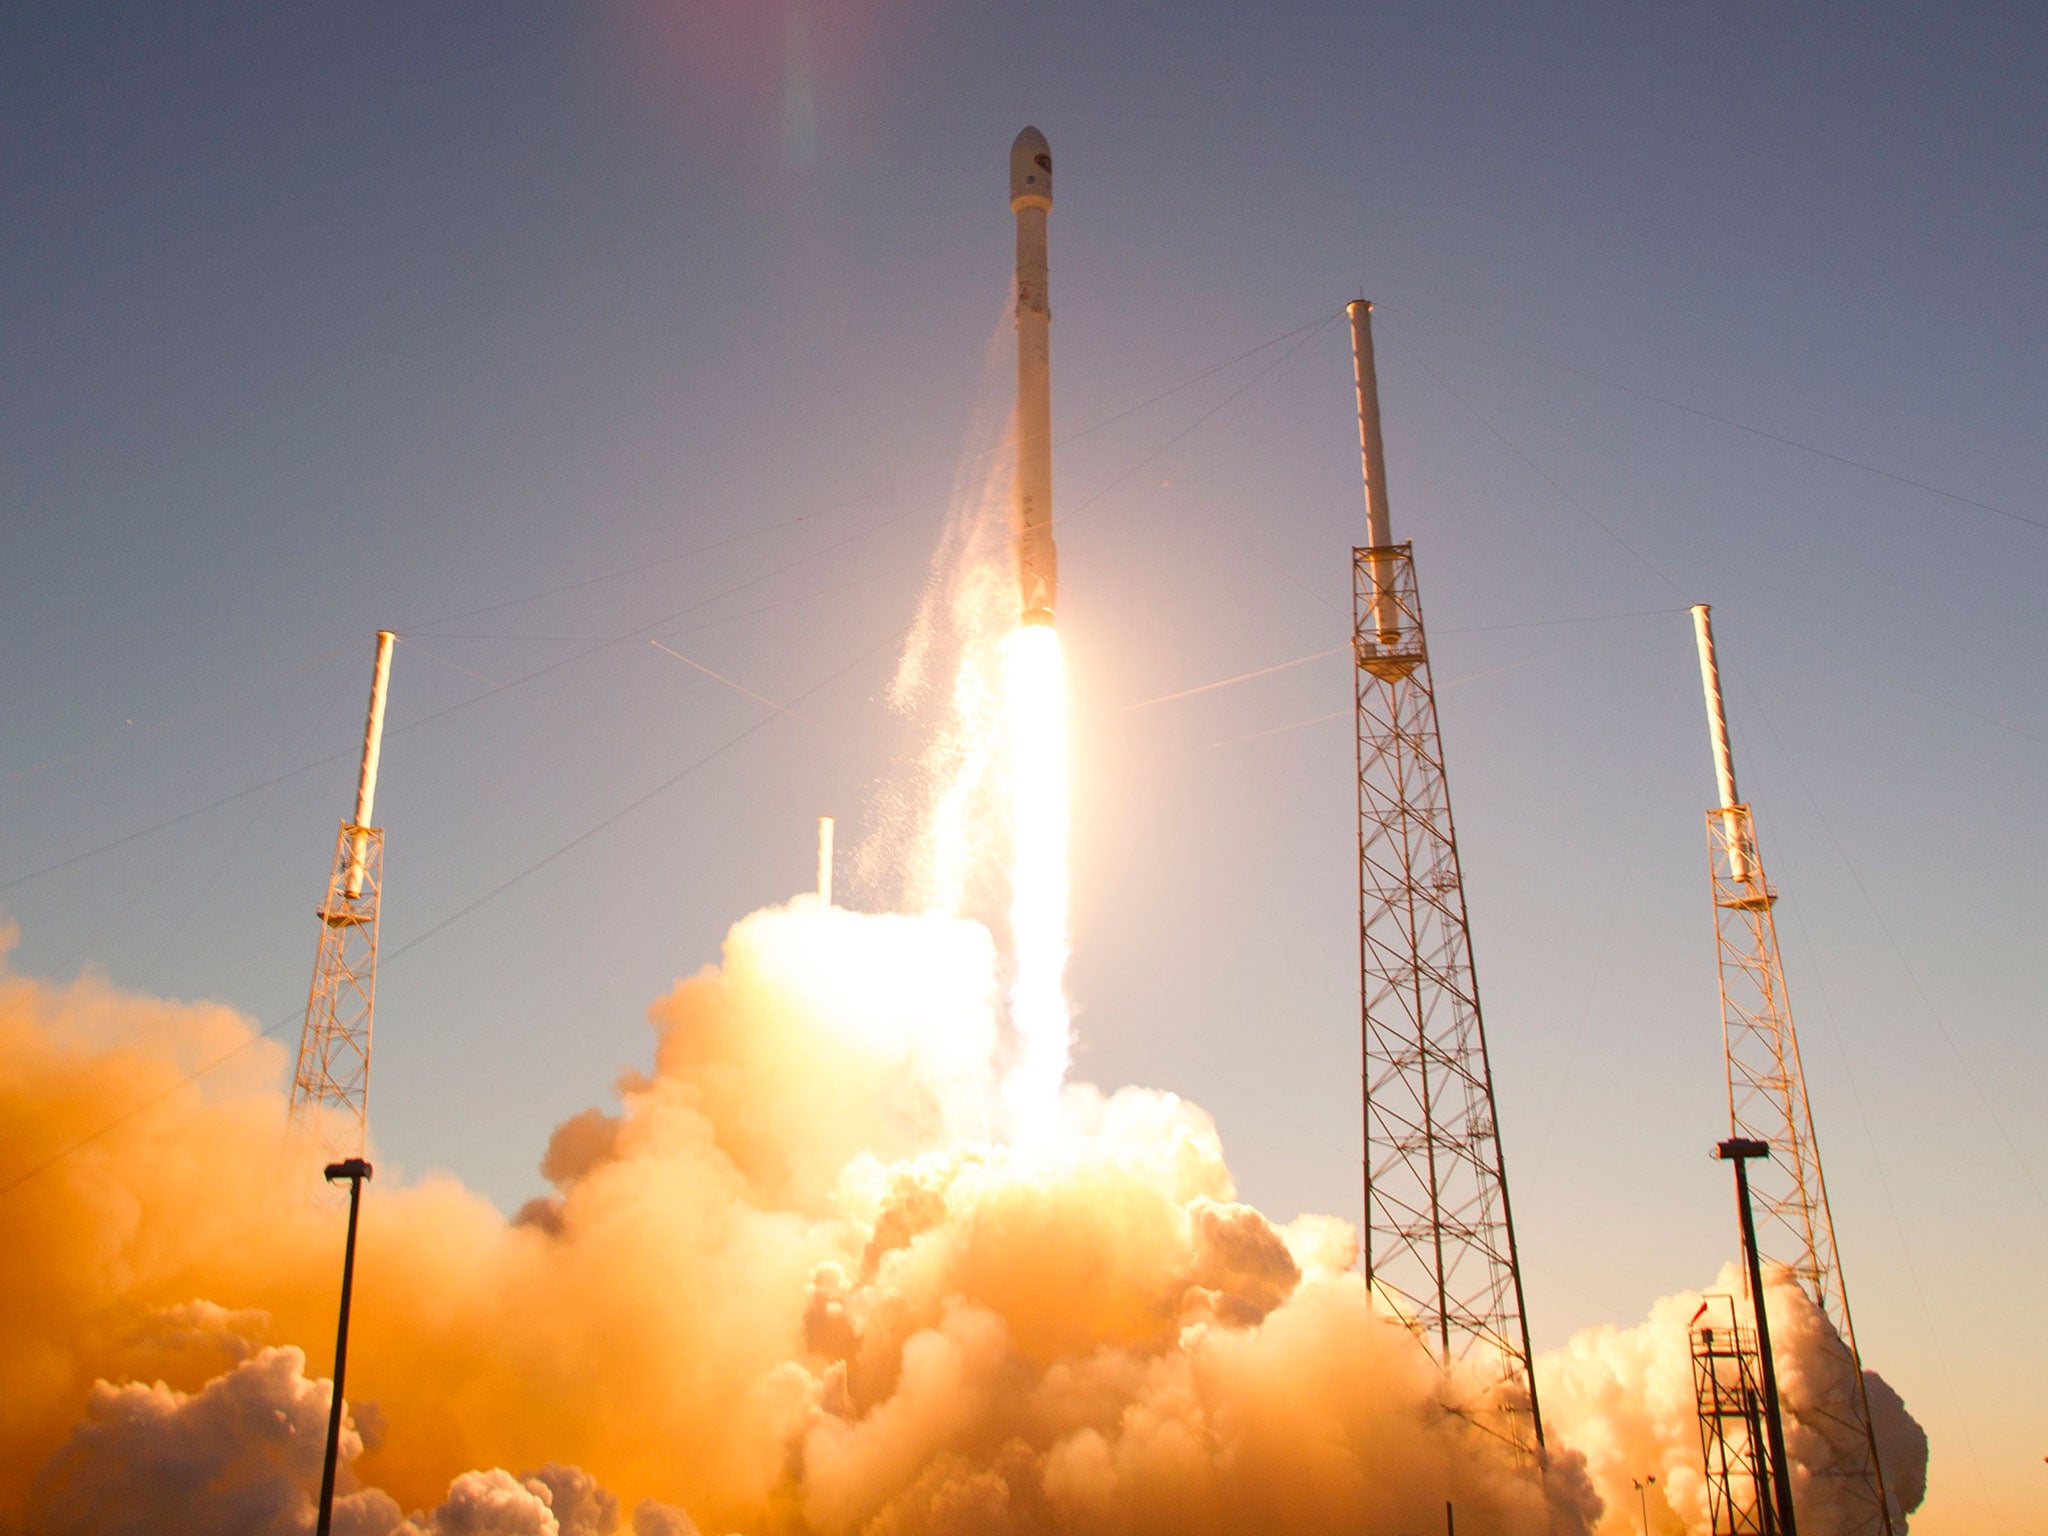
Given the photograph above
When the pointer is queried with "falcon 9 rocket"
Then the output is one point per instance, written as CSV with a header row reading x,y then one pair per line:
x,y
1031,201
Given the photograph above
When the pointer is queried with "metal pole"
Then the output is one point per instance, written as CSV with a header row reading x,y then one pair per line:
x,y
1738,1150
1717,728
355,1170
1753,1416
373,746
1372,458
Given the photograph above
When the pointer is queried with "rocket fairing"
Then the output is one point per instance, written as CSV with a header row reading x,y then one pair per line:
x,y
1031,201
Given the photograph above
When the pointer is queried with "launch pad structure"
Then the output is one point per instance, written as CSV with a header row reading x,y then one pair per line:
x,y
331,1086
1740,1500
1767,1101
1439,1234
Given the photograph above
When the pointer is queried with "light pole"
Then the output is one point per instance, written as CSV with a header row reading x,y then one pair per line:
x,y
355,1170
1643,1497
1739,1150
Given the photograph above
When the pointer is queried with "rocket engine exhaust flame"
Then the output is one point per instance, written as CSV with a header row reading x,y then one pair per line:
x,y
1035,706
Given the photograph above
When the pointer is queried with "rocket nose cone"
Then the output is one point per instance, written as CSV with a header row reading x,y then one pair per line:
x,y
1030,171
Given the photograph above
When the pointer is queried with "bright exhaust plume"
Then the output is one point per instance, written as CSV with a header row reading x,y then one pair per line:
x,y
1035,701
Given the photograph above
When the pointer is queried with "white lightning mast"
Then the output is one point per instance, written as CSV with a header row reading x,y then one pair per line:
x,y
1439,1235
330,1090
1767,1102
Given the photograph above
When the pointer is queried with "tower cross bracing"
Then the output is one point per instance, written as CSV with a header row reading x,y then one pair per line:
x,y
1767,1101
1439,1233
331,1088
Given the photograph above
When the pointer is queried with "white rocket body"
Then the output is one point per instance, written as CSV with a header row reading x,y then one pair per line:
x,y
1031,201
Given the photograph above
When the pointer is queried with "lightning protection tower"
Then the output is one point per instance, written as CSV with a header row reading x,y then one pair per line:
x,y
330,1091
1439,1235
1767,1102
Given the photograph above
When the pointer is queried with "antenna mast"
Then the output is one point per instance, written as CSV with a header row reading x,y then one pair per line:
x,y
1439,1235
1767,1102
331,1089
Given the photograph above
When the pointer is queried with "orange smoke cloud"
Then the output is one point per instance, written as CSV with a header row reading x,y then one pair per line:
x,y
788,1287
1625,1398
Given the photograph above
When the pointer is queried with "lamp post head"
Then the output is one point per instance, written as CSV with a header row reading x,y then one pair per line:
x,y
348,1168
1741,1149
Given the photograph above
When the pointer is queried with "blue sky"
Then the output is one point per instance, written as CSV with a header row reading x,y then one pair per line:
x,y
319,321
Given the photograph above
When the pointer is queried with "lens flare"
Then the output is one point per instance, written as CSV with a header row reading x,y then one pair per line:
x,y
1035,688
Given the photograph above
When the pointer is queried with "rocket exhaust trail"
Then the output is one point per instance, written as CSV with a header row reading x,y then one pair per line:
x,y
1031,201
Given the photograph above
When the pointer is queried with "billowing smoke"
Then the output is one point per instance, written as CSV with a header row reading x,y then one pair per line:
x,y
1624,1397
786,1288
240,1454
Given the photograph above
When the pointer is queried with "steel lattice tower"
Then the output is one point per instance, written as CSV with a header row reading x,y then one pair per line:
x,y
1439,1234
1724,1378
1767,1100
331,1089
